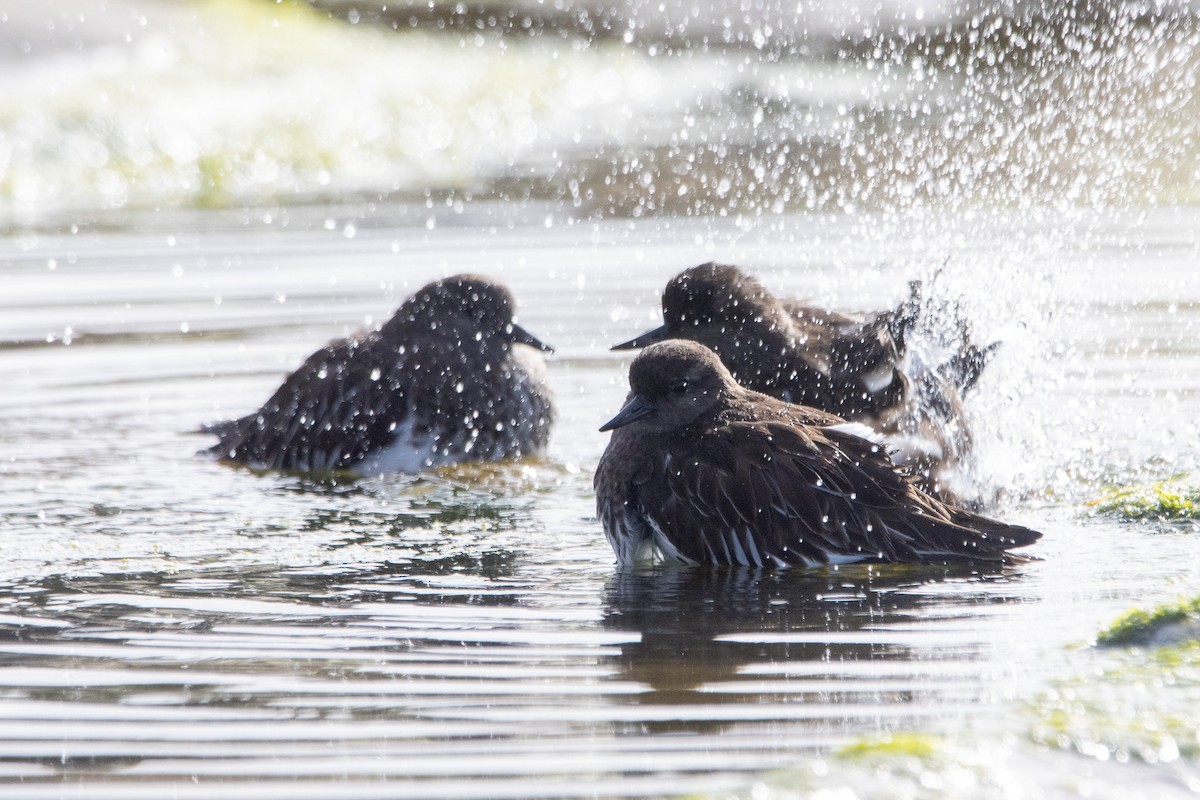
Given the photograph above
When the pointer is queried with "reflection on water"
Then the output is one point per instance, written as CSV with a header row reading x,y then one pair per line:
x,y
464,668
702,631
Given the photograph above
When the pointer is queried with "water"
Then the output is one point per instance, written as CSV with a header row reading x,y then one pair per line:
x,y
175,627
192,200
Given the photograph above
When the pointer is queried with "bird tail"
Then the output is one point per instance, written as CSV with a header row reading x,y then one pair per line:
x,y
965,535
221,428
229,433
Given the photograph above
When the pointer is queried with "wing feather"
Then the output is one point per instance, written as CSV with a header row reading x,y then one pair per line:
x,y
344,401
773,492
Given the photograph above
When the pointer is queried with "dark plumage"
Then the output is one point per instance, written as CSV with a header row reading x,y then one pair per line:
x,y
804,354
701,470
450,377
851,366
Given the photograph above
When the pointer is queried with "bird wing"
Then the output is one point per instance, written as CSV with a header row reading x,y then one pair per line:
x,y
815,328
344,401
773,493
858,355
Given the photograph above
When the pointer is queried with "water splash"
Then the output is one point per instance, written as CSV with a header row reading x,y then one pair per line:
x,y
255,103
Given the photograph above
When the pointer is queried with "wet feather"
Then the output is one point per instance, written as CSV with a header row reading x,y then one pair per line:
x,y
447,378
729,476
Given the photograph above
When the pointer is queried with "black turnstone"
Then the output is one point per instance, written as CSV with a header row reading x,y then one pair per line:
x,y
701,470
851,366
450,377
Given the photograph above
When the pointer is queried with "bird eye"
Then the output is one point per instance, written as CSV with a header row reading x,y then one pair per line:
x,y
679,387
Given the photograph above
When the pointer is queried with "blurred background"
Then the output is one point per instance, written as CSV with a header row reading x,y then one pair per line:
x,y
587,109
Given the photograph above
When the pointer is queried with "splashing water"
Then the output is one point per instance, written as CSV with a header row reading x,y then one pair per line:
x,y
225,103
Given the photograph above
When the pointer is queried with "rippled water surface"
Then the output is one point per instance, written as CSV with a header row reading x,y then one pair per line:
x,y
171,627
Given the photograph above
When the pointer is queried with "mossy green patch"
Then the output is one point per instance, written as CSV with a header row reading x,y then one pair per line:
x,y
1137,705
907,745
1175,498
900,766
1141,627
290,19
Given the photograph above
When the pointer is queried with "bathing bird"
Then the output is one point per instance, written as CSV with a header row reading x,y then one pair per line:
x,y
700,470
851,366
450,377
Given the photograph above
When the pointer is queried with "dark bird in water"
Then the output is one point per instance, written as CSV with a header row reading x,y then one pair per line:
x,y
851,366
701,470
450,377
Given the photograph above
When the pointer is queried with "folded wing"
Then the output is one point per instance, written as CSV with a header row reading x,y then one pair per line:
x,y
775,494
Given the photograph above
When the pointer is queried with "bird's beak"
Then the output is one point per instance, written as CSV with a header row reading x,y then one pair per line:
x,y
634,409
522,336
648,338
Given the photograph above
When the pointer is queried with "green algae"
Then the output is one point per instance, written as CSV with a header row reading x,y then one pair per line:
x,y
1133,704
1136,705
896,745
907,765
1116,719
1147,627
1176,498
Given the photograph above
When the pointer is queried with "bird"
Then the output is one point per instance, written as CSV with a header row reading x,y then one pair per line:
x,y
700,470
450,377
853,366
